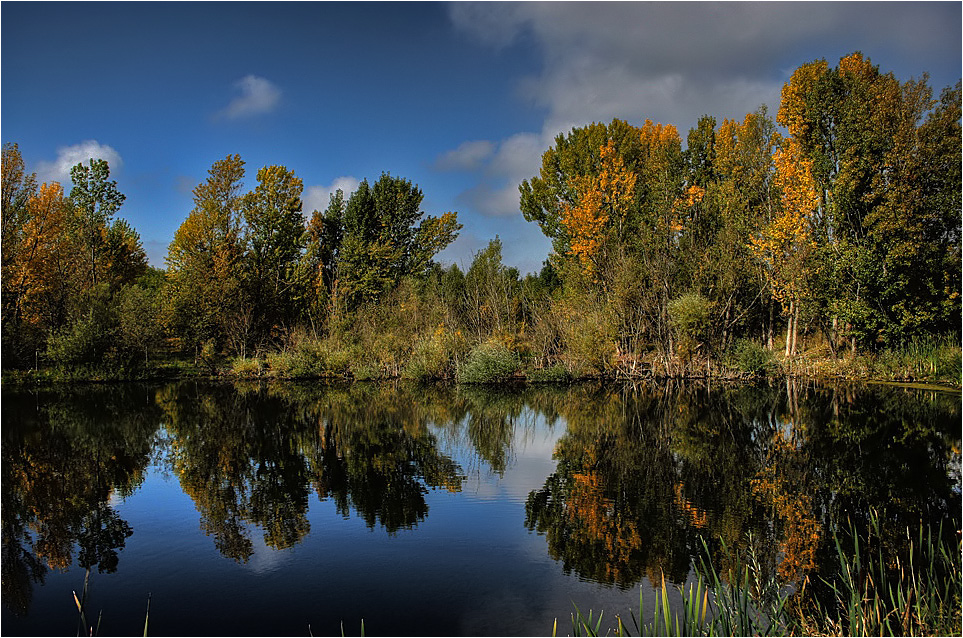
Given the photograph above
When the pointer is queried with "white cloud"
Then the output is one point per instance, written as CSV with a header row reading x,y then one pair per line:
x,y
318,197
69,156
468,156
258,96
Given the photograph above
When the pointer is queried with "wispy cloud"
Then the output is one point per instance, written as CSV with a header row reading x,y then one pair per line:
x,y
468,156
58,170
258,96
501,166
318,197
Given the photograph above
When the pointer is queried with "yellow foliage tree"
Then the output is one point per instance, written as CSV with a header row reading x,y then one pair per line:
x,y
43,267
785,243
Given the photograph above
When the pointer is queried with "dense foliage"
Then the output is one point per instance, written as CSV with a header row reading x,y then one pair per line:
x,y
833,228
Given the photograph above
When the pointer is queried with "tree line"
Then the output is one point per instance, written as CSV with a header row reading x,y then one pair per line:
x,y
836,224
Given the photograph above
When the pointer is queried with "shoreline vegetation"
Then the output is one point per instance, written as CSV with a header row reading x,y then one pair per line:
x,y
872,592
823,243
931,364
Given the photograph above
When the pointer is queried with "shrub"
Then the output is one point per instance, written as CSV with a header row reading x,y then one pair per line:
x,y
554,374
307,357
488,362
589,334
689,319
749,357
246,368
429,359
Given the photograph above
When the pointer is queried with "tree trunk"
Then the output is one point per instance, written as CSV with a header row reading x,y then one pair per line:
x,y
795,328
788,352
769,331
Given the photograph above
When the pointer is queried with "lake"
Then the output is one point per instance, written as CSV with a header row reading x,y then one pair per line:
x,y
297,508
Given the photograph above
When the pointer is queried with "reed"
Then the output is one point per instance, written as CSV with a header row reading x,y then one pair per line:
x,y
916,593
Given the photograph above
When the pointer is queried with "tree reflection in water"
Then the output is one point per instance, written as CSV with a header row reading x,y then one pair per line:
x,y
64,455
642,471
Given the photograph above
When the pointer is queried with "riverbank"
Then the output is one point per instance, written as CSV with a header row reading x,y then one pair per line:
x,y
935,362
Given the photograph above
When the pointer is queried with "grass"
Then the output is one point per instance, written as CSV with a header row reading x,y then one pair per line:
x,y
917,594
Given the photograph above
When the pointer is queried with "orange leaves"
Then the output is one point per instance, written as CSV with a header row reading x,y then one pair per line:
x,y
595,521
602,198
40,267
684,207
794,178
585,223
779,486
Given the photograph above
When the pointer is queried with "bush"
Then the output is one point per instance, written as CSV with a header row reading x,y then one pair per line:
x,y
429,359
689,319
488,362
749,357
553,374
307,357
247,368
589,335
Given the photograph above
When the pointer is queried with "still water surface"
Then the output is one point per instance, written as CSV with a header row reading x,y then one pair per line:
x,y
291,508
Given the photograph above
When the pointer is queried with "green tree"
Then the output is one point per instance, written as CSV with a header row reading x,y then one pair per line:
x,y
867,136
381,241
274,239
96,200
577,155
318,267
140,318
491,293
204,262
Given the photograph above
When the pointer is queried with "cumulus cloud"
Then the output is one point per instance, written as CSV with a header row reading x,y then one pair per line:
x,y
500,166
318,197
258,96
58,170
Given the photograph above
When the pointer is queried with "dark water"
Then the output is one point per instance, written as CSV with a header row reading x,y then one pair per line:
x,y
289,508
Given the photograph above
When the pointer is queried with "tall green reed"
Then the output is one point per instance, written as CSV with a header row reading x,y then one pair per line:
x,y
917,592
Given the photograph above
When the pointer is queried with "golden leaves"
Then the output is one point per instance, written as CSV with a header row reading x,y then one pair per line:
x,y
856,64
793,109
784,244
778,485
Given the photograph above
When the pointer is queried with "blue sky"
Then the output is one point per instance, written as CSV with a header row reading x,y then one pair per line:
x,y
460,98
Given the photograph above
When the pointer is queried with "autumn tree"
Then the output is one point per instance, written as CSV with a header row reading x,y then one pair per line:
x,y
274,240
785,244
864,133
18,187
574,157
41,278
600,215
728,197
204,261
